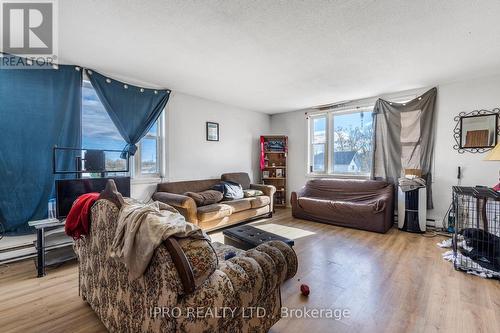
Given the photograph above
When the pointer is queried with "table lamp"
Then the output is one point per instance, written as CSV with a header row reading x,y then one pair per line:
x,y
494,155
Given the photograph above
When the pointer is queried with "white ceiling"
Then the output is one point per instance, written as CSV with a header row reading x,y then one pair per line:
x,y
275,56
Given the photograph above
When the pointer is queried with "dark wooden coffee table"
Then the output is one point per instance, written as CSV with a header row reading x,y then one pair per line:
x,y
247,237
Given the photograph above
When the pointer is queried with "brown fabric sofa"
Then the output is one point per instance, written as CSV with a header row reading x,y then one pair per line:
x,y
220,214
361,204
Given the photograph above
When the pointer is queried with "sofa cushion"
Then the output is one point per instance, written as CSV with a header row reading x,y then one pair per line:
x,y
204,198
260,201
241,178
223,250
343,189
252,193
214,211
240,204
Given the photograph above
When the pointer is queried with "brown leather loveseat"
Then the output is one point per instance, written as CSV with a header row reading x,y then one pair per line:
x,y
221,214
361,204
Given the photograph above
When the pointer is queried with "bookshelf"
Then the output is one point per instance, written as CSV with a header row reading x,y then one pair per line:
x,y
273,152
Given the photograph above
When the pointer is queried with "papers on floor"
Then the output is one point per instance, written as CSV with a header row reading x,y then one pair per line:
x,y
467,264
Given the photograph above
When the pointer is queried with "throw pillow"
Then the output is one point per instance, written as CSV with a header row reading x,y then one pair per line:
x,y
231,191
111,193
206,197
252,193
219,187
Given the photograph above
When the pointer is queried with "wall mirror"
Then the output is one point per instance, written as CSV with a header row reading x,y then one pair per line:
x,y
477,131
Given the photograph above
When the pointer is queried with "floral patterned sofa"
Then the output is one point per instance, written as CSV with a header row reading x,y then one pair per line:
x,y
241,294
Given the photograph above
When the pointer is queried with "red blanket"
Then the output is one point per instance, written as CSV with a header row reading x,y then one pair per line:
x,y
77,221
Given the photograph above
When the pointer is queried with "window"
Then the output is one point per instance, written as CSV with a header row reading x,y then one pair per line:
x,y
147,163
318,142
99,132
341,142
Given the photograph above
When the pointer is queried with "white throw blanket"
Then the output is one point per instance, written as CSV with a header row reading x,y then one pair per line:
x,y
142,228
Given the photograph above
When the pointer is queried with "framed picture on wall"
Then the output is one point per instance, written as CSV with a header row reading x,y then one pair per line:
x,y
212,131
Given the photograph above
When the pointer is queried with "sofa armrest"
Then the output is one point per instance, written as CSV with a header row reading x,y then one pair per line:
x,y
201,261
182,264
294,198
186,254
268,190
388,195
184,204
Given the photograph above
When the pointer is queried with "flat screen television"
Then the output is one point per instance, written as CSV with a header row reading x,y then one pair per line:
x,y
68,190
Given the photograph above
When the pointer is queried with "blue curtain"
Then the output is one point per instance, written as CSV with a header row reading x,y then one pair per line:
x,y
132,109
39,108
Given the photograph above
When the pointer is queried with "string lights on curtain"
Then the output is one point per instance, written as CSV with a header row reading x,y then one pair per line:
x,y
125,86
133,109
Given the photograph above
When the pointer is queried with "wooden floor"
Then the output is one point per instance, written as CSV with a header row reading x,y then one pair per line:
x,y
395,282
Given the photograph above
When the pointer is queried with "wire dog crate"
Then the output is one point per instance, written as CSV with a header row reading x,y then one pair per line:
x,y
476,241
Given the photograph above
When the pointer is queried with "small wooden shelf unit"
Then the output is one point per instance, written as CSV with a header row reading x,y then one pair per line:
x,y
275,162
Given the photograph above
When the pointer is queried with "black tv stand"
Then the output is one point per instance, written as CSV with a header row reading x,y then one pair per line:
x,y
42,247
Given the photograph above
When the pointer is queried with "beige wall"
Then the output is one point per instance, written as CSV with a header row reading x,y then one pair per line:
x,y
453,98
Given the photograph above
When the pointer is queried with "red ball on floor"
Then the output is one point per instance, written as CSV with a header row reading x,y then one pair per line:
x,y
304,289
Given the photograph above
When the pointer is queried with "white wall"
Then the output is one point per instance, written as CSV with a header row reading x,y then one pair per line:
x,y
189,156
294,125
453,98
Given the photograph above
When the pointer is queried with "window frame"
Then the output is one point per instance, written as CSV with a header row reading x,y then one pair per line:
x,y
311,144
329,142
137,162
